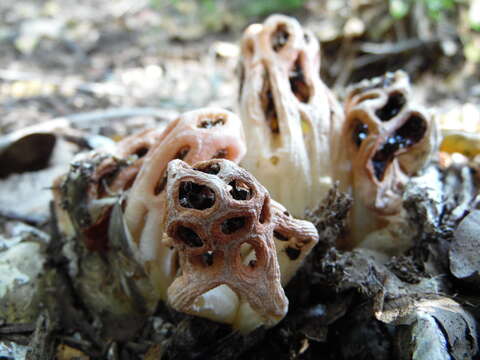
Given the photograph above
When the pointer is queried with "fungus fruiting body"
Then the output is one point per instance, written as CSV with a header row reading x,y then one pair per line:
x,y
242,240
387,139
196,135
118,196
291,119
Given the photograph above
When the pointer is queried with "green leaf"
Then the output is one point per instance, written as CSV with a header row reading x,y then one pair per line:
x,y
472,52
209,6
259,8
437,7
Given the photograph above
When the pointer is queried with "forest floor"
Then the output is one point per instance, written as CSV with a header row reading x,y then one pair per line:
x,y
115,67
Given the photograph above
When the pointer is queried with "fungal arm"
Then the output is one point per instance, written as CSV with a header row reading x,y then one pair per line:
x,y
388,139
290,117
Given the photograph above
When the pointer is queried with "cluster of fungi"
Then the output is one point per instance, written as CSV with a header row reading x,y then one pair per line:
x,y
205,228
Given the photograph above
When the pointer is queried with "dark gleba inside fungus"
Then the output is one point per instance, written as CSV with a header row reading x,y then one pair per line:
x,y
189,236
360,133
407,135
268,104
195,196
298,82
393,106
279,37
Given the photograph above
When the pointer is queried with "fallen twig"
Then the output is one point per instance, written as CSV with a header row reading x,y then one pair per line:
x,y
113,113
18,339
42,344
17,328
397,47
34,220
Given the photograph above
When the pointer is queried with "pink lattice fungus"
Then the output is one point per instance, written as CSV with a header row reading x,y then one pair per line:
x,y
224,226
388,140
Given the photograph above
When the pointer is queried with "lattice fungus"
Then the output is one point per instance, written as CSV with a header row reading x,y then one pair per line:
x,y
291,119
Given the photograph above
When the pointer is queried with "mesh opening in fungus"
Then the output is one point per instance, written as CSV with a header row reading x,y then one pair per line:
x,y
209,123
292,253
160,184
268,105
141,152
195,196
394,105
221,154
252,260
213,169
182,153
240,191
208,258
234,224
280,236
409,134
189,236
297,81
360,133
279,37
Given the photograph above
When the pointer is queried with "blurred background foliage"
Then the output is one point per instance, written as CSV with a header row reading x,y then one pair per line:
x,y
195,18
211,11
59,57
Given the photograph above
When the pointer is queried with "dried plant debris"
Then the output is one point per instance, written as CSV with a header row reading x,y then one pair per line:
x,y
41,344
460,192
331,216
13,350
36,147
408,285
436,327
22,273
463,255
29,153
432,319
30,160
435,203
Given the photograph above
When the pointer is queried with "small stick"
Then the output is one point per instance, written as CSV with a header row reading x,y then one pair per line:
x,y
35,220
17,328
